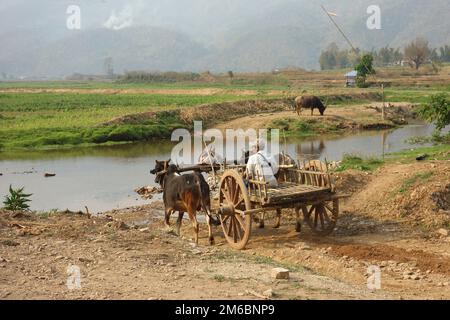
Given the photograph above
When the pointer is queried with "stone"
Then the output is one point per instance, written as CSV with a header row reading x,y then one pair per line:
x,y
280,273
443,232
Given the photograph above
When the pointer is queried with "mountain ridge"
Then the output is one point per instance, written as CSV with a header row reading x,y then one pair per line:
x,y
168,35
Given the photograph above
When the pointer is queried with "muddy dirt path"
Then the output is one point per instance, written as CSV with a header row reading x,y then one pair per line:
x,y
141,260
117,262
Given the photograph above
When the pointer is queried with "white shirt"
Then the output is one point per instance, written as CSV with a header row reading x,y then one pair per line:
x,y
259,165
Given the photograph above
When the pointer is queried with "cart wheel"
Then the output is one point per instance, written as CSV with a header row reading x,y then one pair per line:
x,y
322,217
233,201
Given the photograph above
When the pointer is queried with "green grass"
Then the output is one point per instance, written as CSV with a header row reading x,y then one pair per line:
x,y
219,278
414,95
36,120
236,84
303,128
436,152
422,176
357,163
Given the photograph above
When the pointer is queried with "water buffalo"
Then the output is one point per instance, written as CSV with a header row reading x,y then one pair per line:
x,y
311,102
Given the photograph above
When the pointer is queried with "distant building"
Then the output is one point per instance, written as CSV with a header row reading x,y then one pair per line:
x,y
351,78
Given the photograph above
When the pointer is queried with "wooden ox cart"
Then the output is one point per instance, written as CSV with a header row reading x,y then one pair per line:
x,y
309,191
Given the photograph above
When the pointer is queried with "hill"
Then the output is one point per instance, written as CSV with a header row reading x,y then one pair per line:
x,y
253,35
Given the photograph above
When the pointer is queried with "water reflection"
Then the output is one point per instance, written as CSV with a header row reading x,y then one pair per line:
x,y
103,178
366,144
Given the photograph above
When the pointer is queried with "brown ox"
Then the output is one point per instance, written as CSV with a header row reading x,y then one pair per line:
x,y
184,193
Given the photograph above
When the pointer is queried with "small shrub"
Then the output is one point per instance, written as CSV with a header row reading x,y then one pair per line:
x,y
304,126
355,162
361,82
437,111
17,199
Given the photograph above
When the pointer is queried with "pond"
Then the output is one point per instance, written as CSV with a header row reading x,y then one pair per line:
x,y
104,178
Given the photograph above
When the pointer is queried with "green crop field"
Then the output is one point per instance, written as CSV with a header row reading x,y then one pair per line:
x,y
45,119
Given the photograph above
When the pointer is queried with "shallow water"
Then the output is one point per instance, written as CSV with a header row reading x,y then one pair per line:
x,y
103,178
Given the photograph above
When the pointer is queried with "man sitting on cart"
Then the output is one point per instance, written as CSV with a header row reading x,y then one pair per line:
x,y
260,164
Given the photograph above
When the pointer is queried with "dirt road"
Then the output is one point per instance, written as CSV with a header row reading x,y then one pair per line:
x,y
128,254
149,263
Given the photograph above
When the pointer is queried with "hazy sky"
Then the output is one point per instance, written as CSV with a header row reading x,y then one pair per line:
x,y
197,16
219,34
205,19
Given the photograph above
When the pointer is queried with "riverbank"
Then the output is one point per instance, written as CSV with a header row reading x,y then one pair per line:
x,y
61,120
391,220
338,119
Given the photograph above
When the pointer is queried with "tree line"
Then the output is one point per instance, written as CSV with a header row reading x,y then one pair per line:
x,y
416,53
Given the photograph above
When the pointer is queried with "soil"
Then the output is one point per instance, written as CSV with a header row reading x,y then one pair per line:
x,y
128,254
353,117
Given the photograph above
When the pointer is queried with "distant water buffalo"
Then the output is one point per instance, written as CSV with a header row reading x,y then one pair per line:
x,y
309,102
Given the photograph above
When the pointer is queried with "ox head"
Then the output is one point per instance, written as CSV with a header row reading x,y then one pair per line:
x,y
323,107
322,110
160,170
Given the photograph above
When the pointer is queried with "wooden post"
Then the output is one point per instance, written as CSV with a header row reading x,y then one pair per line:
x,y
382,108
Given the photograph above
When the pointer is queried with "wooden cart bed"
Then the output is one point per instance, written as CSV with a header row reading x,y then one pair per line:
x,y
289,192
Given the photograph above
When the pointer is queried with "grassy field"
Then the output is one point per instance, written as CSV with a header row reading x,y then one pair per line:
x,y
45,119
66,113
436,152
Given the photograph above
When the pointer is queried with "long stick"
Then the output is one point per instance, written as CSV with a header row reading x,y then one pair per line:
x,y
353,48
339,29
210,161
383,107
